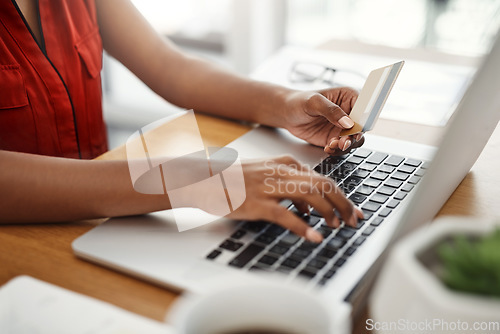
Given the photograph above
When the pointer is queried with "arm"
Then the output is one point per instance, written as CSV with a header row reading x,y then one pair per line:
x,y
185,81
47,189
317,117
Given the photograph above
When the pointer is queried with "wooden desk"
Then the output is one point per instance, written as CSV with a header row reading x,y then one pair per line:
x,y
44,251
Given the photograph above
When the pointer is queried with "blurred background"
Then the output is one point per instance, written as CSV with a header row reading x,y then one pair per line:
x,y
241,34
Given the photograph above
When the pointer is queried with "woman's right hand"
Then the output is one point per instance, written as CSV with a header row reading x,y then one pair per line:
x,y
269,182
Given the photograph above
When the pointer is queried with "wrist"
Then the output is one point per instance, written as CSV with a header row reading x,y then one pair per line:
x,y
273,110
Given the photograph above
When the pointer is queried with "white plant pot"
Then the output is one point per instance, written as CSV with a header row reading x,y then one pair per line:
x,y
408,297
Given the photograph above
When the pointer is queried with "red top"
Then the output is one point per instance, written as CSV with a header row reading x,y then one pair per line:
x,y
50,94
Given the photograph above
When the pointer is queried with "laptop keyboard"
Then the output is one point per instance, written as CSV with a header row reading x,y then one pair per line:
x,y
376,182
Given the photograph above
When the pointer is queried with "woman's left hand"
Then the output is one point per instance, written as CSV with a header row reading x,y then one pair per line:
x,y
319,117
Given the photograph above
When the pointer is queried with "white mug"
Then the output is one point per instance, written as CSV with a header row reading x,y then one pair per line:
x,y
270,307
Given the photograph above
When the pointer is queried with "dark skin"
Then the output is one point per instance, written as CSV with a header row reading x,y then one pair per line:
x,y
92,189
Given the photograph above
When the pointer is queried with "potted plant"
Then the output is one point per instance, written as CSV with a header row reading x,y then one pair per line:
x,y
445,277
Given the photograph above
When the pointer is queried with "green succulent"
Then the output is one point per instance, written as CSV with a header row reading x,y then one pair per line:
x,y
472,264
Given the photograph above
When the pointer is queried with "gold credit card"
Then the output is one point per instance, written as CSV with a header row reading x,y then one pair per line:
x,y
372,98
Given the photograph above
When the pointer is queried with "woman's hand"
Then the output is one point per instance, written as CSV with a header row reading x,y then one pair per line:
x,y
268,182
318,117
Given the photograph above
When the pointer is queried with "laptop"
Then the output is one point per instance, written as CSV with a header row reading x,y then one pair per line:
x,y
399,185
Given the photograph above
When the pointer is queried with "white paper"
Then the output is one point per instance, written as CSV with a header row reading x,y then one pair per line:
x,y
28,305
425,93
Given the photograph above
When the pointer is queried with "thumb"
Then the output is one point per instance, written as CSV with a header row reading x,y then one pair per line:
x,y
333,113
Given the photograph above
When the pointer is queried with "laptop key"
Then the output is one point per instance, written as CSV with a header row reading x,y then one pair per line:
x,y
368,166
329,274
357,198
379,198
255,226
393,183
394,160
360,173
385,212
301,254
362,153
339,262
311,219
386,169
335,243
349,251
388,191
231,245
406,169
377,158
275,230
213,254
338,174
327,253
279,249
407,187
290,239
379,176
290,263
368,231
267,260
400,176
265,239
425,165
420,172
364,190
400,195
355,160
238,234
414,179
371,206
316,263
353,180
413,162
359,241
325,231
372,183
345,233
329,164
392,204
246,255
367,214
377,221
307,274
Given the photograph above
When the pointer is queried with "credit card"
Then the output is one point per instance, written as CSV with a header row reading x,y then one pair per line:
x,y
372,98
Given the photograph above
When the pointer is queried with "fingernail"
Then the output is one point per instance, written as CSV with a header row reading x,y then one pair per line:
x,y
346,144
346,122
313,235
359,136
333,144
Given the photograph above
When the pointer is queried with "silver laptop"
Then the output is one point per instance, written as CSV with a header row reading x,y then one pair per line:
x,y
399,186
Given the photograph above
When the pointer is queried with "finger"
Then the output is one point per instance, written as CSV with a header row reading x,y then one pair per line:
x,y
302,206
281,216
320,105
338,200
334,143
302,190
359,142
345,143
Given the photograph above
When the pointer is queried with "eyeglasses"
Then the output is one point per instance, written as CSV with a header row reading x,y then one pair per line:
x,y
310,72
